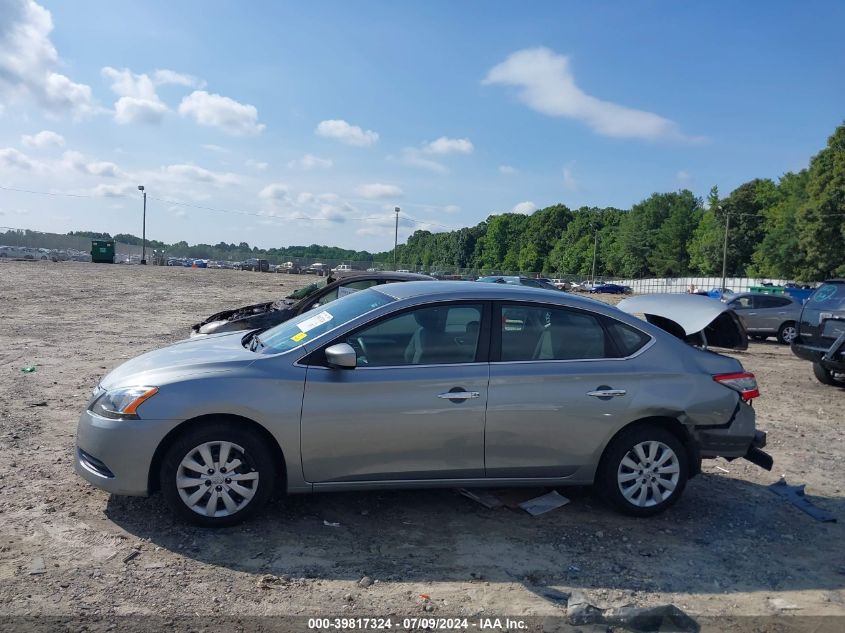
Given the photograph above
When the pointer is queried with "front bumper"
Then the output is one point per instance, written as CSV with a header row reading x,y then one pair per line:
x,y
116,455
831,357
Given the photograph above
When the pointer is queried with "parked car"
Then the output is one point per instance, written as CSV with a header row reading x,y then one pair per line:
x,y
611,289
821,333
415,385
342,268
288,267
515,280
767,315
268,314
256,265
562,284
316,269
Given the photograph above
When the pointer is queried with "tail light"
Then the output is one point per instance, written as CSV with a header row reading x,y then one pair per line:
x,y
743,382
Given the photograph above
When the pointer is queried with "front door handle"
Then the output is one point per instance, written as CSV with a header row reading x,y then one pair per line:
x,y
607,393
459,395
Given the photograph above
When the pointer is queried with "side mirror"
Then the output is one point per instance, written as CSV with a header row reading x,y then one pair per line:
x,y
342,355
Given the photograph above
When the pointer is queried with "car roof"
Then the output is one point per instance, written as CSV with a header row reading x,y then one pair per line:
x,y
384,275
458,290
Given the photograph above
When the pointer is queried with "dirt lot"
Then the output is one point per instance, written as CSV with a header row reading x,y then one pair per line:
x,y
729,546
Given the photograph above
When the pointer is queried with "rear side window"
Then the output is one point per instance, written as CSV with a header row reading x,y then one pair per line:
x,y
629,340
767,301
544,333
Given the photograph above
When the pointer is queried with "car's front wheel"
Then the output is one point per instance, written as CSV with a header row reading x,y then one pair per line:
x,y
217,475
827,377
643,471
787,333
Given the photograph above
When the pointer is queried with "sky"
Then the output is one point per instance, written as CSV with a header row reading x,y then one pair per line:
x,y
288,123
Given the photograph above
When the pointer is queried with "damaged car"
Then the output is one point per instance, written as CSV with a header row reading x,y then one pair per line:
x,y
821,333
425,385
270,313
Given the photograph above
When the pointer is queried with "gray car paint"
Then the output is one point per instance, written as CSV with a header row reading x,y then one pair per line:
x,y
763,320
386,427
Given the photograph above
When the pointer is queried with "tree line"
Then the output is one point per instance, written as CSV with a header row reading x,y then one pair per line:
x,y
793,228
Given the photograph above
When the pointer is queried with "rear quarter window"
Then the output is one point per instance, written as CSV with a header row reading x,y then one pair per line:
x,y
629,340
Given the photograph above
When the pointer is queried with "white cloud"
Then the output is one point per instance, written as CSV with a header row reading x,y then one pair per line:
x,y
93,168
569,182
215,148
379,190
275,191
340,130
164,76
309,161
186,172
112,191
546,84
445,145
256,164
525,208
27,59
451,208
413,157
683,177
44,138
228,115
507,170
138,102
12,158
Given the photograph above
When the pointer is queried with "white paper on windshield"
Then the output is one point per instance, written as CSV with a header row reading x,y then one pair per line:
x,y
315,321
345,290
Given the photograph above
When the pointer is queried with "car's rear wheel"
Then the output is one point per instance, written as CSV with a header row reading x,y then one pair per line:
x,y
643,470
827,377
217,475
787,333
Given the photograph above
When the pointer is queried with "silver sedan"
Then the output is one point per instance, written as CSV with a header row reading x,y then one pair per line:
x,y
421,384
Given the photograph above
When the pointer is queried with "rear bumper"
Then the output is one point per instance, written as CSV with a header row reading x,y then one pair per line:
x,y
731,439
830,357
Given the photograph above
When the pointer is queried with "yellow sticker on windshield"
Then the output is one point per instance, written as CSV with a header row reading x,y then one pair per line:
x,y
298,337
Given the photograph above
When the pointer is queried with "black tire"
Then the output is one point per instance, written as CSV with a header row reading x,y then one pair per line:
x,y
621,448
787,333
257,457
759,337
825,376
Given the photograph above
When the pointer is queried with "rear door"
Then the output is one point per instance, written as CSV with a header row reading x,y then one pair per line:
x,y
413,408
559,385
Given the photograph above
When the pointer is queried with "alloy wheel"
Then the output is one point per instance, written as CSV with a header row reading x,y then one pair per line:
x,y
216,479
648,474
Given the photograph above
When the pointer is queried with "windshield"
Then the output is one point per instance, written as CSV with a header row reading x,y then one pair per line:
x,y
828,297
309,325
308,290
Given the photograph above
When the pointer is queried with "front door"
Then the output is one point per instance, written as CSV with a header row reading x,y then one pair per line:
x,y
413,408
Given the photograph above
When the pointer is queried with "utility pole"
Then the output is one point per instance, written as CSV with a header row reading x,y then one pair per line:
x,y
144,228
396,238
595,250
725,254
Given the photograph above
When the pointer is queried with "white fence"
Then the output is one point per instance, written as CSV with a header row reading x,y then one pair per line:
x,y
682,284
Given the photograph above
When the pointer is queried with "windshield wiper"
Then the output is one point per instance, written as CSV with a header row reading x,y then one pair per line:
x,y
256,341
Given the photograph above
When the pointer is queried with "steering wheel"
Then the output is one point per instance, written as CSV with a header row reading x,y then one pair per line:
x,y
360,348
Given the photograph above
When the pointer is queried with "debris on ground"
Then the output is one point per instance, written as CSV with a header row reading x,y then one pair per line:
x,y
365,582
37,567
135,553
43,403
487,499
795,495
330,524
666,617
545,503
29,369
269,581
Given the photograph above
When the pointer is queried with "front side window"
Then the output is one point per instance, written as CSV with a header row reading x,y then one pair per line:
x,y
424,336
741,303
546,333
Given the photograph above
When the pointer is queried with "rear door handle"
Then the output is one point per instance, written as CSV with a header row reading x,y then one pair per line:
x,y
459,395
607,393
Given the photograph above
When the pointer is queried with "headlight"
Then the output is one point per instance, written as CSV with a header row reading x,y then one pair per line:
x,y
122,404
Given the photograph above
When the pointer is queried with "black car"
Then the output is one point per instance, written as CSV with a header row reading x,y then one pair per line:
x,y
821,332
611,289
264,315
256,265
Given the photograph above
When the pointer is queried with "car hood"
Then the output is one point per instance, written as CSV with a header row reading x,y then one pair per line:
x,y
694,318
214,353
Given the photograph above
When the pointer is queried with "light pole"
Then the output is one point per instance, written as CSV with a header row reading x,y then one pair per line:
x,y
725,253
144,228
595,250
395,237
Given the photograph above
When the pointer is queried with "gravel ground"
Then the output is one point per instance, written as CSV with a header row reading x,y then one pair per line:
x,y
728,547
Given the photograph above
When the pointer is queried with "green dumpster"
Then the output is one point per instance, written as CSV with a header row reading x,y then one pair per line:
x,y
769,290
102,251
